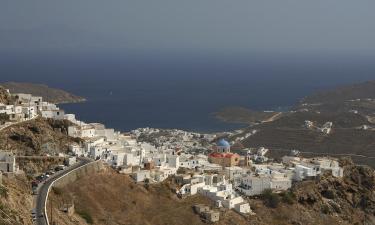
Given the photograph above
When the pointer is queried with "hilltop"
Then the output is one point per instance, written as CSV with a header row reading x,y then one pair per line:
x,y
49,94
342,94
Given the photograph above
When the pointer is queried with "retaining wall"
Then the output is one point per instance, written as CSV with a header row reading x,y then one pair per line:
x,y
86,170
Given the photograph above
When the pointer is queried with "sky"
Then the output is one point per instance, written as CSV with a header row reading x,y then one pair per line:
x,y
194,25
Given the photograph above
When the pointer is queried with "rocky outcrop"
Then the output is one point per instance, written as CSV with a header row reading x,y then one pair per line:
x,y
37,137
351,198
5,98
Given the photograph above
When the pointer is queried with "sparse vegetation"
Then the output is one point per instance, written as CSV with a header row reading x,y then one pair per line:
x,y
147,183
3,192
3,118
86,216
325,209
288,197
271,199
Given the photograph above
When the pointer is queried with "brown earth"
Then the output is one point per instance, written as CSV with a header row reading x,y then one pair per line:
x,y
5,98
37,137
16,203
111,198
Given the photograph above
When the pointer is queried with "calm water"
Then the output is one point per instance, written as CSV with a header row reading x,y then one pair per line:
x,y
179,91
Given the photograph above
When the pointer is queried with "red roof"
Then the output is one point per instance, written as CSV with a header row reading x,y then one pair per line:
x,y
222,155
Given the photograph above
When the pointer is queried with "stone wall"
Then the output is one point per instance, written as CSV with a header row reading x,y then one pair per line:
x,y
74,175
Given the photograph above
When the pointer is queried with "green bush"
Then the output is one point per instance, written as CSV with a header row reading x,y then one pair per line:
x,y
86,216
325,209
288,197
271,199
3,192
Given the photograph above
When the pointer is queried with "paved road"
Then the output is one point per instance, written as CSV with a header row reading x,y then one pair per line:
x,y
43,189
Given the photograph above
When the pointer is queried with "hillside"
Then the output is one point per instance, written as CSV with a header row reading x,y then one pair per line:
x,y
36,137
350,109
49,94
243,115
111,198
289,132
16,201
342,94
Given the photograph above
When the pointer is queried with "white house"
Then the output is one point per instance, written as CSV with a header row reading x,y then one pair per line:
x,y
141,175
302,172
77,150
7,162
56,114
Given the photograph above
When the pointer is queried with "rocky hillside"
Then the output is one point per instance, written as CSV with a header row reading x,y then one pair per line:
x,y
49,94
111,198
37,137
352,199
328,200
4,96
15,201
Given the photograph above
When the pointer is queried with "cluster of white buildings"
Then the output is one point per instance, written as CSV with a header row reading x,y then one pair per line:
x,y
173,138
27,106
216,187
123,152
326,128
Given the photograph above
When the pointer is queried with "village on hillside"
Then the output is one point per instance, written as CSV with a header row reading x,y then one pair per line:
x,y
200,164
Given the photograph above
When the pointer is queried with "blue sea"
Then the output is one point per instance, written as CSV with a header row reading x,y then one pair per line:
x,y
131,90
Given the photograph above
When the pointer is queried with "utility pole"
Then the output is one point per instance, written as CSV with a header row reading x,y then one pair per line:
x,y
51,212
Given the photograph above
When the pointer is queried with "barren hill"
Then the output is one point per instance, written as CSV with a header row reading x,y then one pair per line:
x,y
341,94
111,198
49,94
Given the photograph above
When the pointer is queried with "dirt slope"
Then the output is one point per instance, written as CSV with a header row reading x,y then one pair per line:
x,y
15,201
36,137
111,198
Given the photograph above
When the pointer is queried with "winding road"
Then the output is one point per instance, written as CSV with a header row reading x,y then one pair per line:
x,y
42,191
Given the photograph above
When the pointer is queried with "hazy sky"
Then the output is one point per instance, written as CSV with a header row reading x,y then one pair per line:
x,y
197,25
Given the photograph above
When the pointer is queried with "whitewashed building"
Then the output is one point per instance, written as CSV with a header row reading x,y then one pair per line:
x,y
8,162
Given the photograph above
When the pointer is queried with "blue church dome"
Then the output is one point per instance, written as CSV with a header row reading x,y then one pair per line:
x,y
223,143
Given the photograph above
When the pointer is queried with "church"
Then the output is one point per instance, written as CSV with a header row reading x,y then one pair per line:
x,y
222,155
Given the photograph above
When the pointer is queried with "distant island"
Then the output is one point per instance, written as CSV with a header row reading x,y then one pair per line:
x,y
49,94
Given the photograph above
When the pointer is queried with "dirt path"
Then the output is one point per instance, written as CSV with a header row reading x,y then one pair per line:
x,y
272,118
